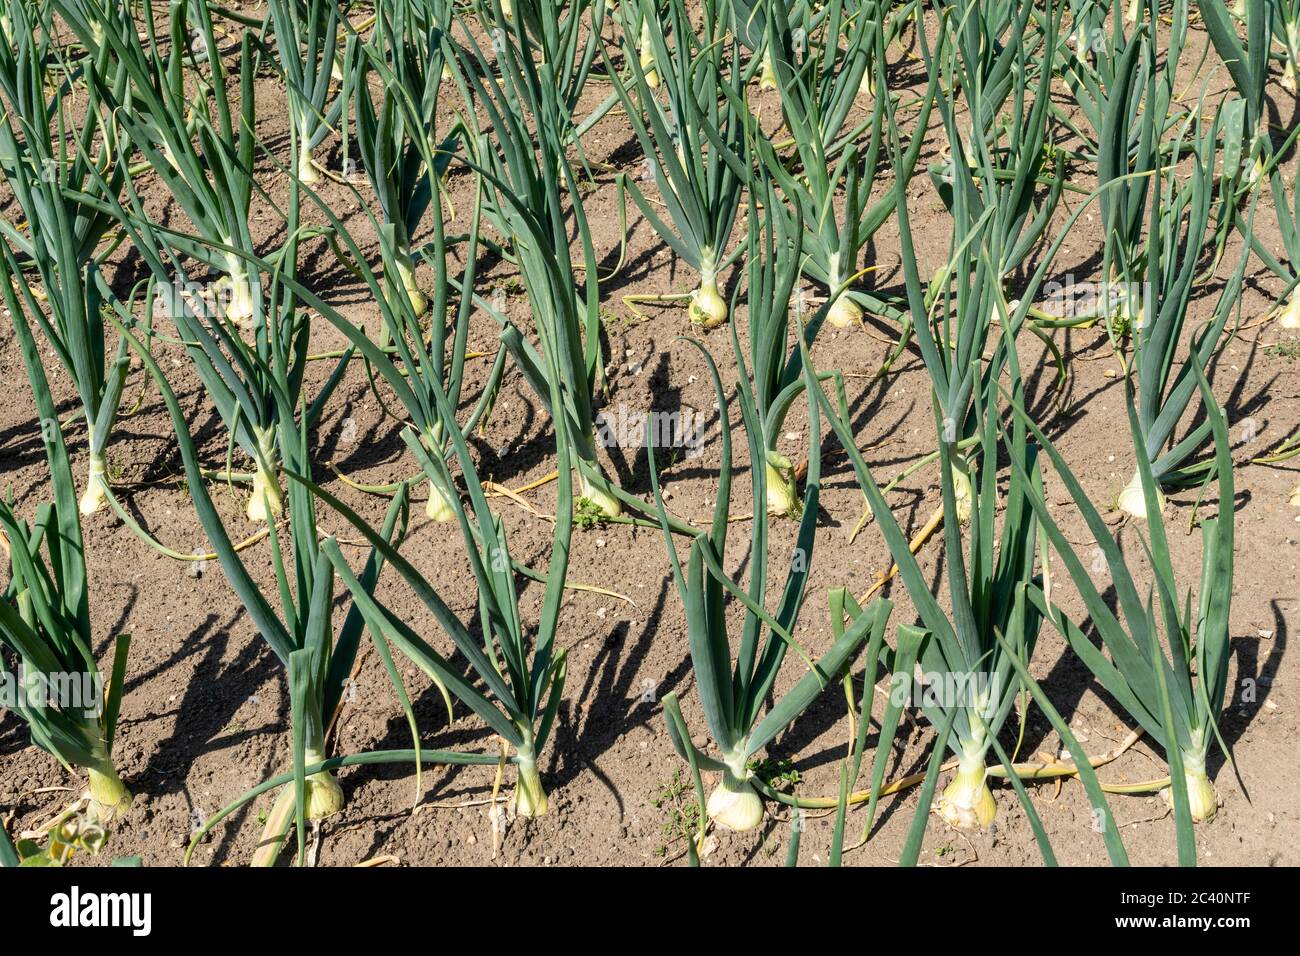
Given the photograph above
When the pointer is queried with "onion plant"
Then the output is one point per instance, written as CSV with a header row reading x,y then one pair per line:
x,y
45,610
692,136
1108,66
394,142
773,379
253,376
1179,216
47,162
818,88
999,214
1286,209
1166,665
733,697
1126,95
307,44
301,633
1286,27
1248,67
45,147
977,684
418,361
199,144
566,35
773,254
521,668
523,186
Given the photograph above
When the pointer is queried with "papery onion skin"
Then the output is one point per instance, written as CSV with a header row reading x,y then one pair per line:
x,y
1132,501
324,795
606,503
1288,316
108,794
782,491
967,802
438,508
844,313
708,309
734,804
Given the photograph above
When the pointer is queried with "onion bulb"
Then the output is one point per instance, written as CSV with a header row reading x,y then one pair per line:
x,y
1132,501
266,501
844,313
1201,798
962,492
867,87
708,309
782,490
96,493
966,803
734,804
530,797
438,508
767,79
308,173
1288,316
324,795
109,796
606,503
1294,499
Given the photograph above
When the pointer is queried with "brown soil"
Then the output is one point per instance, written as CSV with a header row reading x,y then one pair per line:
x,y
205,713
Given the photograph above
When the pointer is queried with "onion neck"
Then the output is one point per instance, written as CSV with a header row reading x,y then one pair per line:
x,y
782,489
767,79
1132,501
240,307
406,276
96,493
647,57
308,173
266,501
530,797
1292,51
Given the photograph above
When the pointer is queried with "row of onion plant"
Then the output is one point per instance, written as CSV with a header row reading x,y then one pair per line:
x,y
47,156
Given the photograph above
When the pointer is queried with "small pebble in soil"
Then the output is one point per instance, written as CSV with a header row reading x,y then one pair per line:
x,y
347,431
